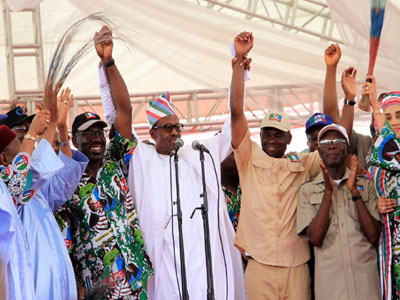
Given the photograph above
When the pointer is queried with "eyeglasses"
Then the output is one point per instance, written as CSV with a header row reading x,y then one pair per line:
x,y
335,142
169,127
89,134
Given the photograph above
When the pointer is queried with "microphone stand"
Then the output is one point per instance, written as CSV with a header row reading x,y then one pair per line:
x,y
206,228
185,293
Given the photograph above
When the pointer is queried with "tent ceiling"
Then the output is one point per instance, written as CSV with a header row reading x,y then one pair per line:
x,y
182,46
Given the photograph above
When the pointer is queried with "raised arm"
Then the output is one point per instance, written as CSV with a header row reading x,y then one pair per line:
x,y
50,103
39,124
369,88
349,86
330,105
64,102
243,43
119,92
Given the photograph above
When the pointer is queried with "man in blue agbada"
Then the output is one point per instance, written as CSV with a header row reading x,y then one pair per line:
x,y
16,274
52,269
16,281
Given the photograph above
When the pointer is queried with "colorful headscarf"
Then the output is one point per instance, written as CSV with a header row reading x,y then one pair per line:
x,y
159,108
391,98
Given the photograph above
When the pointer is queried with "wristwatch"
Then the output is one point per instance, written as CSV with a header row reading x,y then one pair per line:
x,y
378,112
30,137
109,63
357,197
349,102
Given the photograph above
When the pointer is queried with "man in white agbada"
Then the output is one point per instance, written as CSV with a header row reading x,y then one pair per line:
x,y
149,182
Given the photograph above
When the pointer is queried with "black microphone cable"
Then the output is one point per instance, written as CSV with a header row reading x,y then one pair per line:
x,y
172,226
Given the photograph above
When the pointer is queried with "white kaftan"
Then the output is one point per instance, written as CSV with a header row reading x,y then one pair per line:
x,y
149,183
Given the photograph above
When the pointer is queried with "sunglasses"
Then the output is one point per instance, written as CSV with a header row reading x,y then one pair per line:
x,y
19,128
169,127
335,142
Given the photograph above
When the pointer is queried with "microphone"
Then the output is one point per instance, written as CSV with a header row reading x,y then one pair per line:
x,y
178,145
196,145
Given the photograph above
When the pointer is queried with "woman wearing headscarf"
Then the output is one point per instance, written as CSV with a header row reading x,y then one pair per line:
x,y
385,172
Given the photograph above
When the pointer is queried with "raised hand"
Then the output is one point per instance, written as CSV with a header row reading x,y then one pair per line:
x,y
50,100
64,102
327,179
352,180
386,205
349,83
39,123
332,55
369,88
243,43
104,44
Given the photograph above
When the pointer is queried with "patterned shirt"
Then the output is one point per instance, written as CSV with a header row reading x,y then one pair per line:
x,y
102,232
233,205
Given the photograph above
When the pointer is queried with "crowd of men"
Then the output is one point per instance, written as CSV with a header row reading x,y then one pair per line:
x,y
100,222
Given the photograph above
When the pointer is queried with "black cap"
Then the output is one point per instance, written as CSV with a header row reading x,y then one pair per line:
x,y
85,120
15,117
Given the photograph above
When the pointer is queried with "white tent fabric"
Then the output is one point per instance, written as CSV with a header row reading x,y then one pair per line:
x,y
353,21
18,5
178,45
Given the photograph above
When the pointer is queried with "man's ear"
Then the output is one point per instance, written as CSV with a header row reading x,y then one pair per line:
x,y
290,137
3,159
153,134
74,142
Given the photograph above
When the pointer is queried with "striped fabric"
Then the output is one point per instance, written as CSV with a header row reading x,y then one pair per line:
x,y
390,99
159,108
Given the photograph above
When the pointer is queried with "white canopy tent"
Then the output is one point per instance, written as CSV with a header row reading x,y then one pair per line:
x,y
179,45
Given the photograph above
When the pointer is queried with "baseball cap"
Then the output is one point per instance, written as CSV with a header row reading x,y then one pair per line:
x,y
334,127
15,117
276,120
318,119
85,120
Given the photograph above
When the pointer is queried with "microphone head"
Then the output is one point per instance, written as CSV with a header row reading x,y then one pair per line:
x,y
179,142
195,145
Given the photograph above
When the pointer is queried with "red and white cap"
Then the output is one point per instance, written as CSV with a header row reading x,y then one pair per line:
x,y
334,127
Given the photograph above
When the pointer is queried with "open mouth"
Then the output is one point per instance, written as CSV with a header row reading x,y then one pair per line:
x,y
97,149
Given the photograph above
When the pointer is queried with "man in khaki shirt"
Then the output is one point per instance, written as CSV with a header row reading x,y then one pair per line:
x,y
337,212
270,181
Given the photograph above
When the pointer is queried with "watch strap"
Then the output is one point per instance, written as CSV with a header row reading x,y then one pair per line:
x,y
357,197
109,63
30,137
349,102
